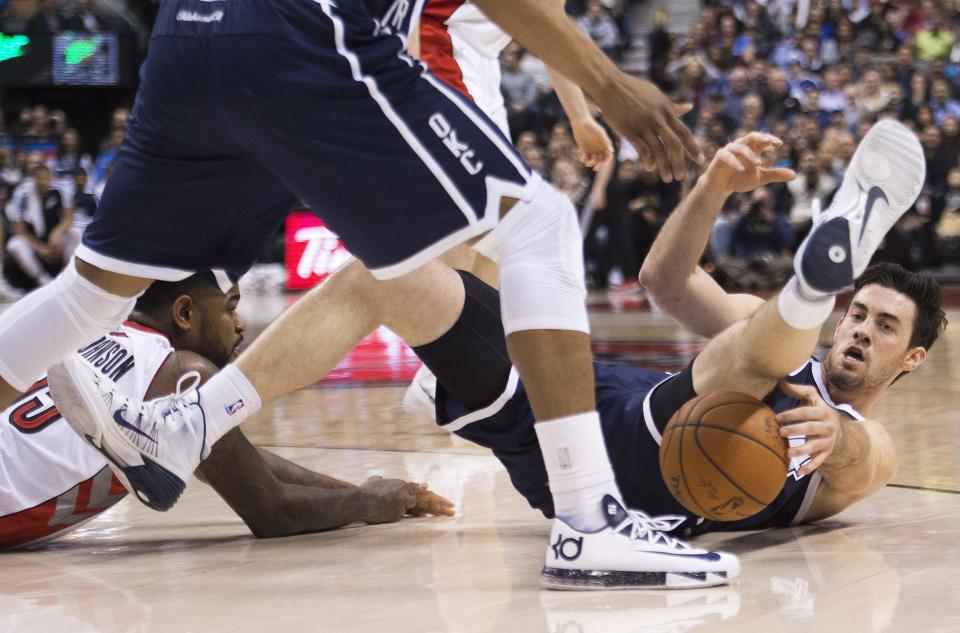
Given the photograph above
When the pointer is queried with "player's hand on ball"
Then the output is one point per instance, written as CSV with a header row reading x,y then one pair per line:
x,y
821,424
737,166
389,500
593,144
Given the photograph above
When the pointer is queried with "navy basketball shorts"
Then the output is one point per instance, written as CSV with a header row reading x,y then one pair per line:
x,y
506,426
247,106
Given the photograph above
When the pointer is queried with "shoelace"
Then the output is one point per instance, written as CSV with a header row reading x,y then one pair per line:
x,y
651,529
167,405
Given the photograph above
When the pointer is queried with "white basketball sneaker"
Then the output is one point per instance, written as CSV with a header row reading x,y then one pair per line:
x,y
632,552
883,180
152,447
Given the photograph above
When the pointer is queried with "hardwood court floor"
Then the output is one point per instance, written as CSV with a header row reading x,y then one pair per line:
x,y
886,564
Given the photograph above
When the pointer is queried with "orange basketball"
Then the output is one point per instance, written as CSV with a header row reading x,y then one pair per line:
x,y
722,456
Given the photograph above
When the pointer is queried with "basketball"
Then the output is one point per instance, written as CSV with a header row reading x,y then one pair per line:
x,y
722,456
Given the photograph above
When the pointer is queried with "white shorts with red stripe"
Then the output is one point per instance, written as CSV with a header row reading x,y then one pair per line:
x,y
51,481
462,47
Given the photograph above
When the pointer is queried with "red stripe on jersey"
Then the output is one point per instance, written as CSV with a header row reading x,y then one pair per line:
x,y
144,328
44,520
436,47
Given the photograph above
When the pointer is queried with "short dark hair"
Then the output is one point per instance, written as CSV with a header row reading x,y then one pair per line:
x,y
922,289
161,294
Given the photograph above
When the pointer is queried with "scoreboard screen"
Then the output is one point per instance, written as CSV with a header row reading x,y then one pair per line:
x,y
86,59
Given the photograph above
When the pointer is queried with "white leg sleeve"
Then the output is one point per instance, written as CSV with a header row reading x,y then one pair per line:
x,y
540,251
19,249
54,321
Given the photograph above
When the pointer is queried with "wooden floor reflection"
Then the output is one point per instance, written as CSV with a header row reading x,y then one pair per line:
x,y
886,564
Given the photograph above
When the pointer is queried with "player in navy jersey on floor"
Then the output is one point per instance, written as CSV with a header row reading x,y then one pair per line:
x,y
838,457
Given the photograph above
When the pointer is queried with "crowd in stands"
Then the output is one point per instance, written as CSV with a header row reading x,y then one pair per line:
x,y
49,188
815,73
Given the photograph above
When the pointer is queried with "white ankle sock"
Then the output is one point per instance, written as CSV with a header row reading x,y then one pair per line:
x,y
800,311
227,400
579,469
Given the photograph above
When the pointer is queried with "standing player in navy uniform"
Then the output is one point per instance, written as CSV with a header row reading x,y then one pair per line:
x,y
895,317
245,105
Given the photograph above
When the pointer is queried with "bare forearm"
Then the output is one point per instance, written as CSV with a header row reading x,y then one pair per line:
x,y
674,256
571,98
547,32
291,473
270,507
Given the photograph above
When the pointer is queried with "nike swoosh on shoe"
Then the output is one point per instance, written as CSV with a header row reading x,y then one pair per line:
x,y
873,194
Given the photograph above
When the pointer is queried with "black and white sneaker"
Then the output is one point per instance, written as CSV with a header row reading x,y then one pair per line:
x,y
883,180
632,552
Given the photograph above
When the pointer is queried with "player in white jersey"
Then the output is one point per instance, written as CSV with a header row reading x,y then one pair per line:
x,y
51,480
462,47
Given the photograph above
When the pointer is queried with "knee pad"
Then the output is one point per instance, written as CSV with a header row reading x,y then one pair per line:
x,y
540,251
54,321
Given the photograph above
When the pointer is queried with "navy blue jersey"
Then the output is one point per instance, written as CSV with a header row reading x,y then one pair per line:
x,y
633,441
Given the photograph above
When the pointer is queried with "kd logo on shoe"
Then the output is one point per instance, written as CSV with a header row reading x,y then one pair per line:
x,y
567,548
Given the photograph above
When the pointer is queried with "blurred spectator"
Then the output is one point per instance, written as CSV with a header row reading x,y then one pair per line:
x,y
660,42
84,207
118,121
38,223
939,159
519,89
83,18
64,164
107,156
935,41
832,97
601,28
872,96
759,257
812,184
567,176
779,103
46,20
948,228
942,103
738,88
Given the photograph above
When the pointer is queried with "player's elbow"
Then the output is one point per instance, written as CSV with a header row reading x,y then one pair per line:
x,y
271,522
652,279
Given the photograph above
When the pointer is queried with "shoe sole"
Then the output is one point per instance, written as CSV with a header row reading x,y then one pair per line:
x,y
891,159
152,484
582,580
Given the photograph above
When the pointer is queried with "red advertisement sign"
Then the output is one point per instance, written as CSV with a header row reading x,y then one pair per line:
x,y
312,251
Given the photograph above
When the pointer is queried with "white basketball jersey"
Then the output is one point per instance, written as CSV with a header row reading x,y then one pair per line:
x,y
50,479
469,24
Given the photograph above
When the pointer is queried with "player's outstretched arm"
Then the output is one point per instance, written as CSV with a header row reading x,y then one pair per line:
x,y
855,459
275,497
593,143
671,273
635,108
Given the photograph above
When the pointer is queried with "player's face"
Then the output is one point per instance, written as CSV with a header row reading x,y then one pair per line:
x,y
871,345
222,328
